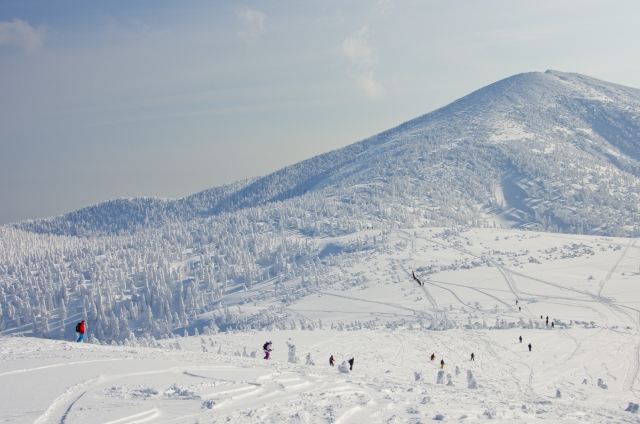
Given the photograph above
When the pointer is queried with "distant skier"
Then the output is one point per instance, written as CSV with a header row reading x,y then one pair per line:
x,y
473,357
552,324
547,321
520,308
331,360
516,302
351,361
433,356
80,327
267,349
540,316
520,339
442,364
529,347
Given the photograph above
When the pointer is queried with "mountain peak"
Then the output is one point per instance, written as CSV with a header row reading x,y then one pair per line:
x,y
534,150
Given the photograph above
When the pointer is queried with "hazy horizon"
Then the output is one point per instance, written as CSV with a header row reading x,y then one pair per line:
x,y
155,99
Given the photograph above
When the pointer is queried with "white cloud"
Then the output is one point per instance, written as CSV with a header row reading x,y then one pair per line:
x,y
358,51
20,33
362,58
384,6
367,83
253,24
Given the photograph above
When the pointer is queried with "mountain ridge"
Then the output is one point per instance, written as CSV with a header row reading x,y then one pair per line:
x,y
588,120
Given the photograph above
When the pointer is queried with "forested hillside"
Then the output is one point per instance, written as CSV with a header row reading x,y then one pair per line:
x,y
540,151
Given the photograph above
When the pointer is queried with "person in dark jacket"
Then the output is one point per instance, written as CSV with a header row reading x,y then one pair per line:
x,y
351,361
80,328
442,364
520,339
473,357
331,360
267,350
529,347
433,356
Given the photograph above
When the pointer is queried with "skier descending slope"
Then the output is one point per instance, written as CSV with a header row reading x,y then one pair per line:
x,y
267,348
473,357
529,347
442,364
331,360
80,328
351,361
433,356
420,283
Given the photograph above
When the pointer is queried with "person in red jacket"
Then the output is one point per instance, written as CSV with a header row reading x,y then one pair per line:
x,y
80,327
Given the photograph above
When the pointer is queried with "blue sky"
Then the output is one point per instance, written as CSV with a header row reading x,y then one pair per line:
x,y
159,98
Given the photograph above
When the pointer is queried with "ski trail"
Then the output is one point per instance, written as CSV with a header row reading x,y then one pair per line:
x,y
66,413
137,418
65,396
371,301
409,238
507,278
497,299
58,365
611,271
632,376
433,282
431,299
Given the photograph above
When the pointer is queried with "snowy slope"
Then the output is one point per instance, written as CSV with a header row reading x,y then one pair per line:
x,y
367,306
546,150
321,253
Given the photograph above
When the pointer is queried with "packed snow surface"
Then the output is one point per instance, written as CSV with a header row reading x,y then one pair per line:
x,y
583,369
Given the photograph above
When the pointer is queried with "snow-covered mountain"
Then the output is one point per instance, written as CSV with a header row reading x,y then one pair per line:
x,y
547,151
328,245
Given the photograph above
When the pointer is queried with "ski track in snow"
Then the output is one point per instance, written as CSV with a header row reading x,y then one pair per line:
x,y
393,379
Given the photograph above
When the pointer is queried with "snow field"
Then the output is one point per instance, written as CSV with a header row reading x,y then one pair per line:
x,y
585,369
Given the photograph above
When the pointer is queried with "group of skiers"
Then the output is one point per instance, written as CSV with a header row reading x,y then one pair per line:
x,y
547,323
529,345
332,361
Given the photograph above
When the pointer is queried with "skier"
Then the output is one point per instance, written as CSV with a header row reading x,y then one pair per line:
x,y
547,321
267,348
442,364
351,361
331,360
433,356
540,316
529,347
516,302
520,339
520,308
80,327
473,357
551,324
